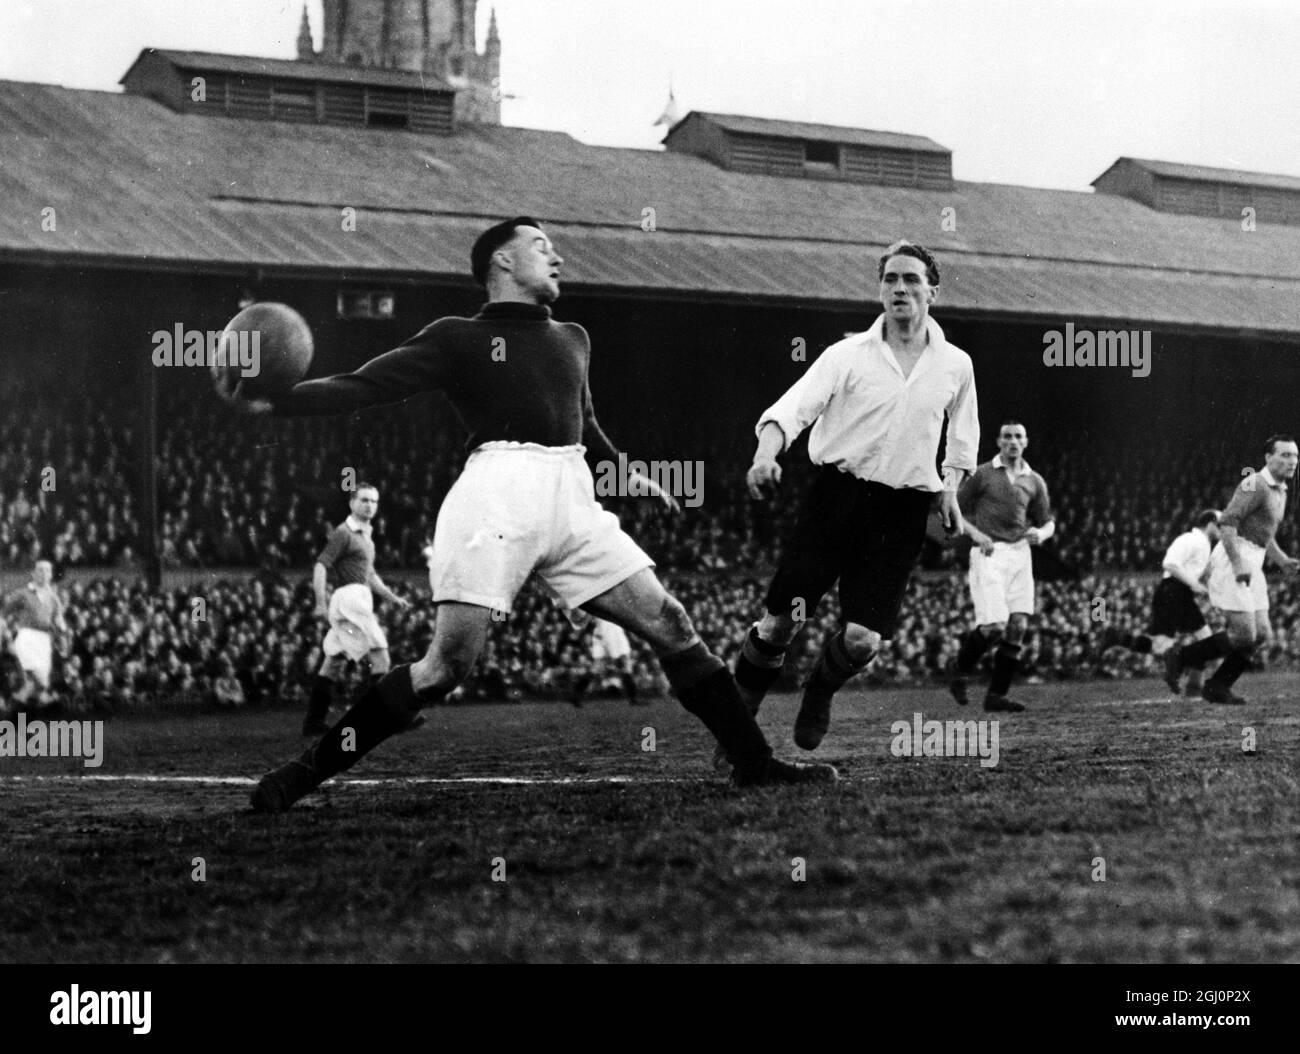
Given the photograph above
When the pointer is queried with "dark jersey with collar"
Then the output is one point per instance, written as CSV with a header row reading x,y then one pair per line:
x,y
1002,508
1256,508
512,373
348,556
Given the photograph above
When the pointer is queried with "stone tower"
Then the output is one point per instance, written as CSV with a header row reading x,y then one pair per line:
x,y
427,36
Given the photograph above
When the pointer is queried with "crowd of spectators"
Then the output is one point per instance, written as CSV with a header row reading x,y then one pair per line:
x,y
265,493
254,642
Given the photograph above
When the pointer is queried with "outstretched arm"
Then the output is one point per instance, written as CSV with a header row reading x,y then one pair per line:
x,y
419,365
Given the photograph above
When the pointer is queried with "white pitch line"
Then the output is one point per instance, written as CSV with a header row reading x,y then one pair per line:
x,y
388,781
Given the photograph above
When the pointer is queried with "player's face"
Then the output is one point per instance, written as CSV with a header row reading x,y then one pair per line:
x,y
905,291
535,265
364,504
1012,441
42,573
1282,461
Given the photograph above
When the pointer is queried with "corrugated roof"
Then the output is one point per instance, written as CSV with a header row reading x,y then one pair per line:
x,y
829,133
135,184
1205,174
296,69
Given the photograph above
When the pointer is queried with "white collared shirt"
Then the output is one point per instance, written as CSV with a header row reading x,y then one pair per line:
x,y
874,422
357,525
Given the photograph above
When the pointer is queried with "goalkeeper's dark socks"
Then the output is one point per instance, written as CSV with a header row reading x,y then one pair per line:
x,y
705,687
1198,653
834,667
318,704
973,646
1233,666
383,709
629,686
1005,660
758,666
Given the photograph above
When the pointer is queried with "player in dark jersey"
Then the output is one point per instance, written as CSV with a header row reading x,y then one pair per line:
x,y
1007,510
524,504
348,560
1247,538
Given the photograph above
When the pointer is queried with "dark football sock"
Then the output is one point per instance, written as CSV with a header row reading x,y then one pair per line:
x,y
629,686
382,710
1005,660
1198,653
1233,666
580,688
973,646
705,688
834,667
758,666
322,694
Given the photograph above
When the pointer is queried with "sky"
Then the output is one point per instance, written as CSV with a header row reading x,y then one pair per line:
x,y
1041,93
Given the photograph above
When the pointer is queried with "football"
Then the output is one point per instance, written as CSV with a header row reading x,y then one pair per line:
x,y
268,347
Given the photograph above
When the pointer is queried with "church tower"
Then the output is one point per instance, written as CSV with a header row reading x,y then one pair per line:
x,y
426,36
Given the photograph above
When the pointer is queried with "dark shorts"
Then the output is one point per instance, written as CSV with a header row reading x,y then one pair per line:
x,y
867,535
1174,610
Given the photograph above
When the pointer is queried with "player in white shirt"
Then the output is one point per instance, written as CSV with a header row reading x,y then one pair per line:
x,y
877,402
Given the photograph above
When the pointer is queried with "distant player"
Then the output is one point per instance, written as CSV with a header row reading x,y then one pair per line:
x,y
35,616
1247,531
1006,508
876,402
524,504
611,653
354,632
1175,612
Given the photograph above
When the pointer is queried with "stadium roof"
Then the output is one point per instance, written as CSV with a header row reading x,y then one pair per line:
x,y
1205,174
826,133
137,185
293,69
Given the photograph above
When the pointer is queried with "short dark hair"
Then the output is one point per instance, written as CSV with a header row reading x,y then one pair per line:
x,y
363,485
906,248
480,257
1012,421
1205,517
1273,441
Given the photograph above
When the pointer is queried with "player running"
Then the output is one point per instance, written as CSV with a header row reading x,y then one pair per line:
x,y
524,504
876,402
35,616
354,631
1247,532
1007,510
1174,610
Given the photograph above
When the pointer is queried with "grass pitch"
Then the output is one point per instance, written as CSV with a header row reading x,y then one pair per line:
x,y
535,832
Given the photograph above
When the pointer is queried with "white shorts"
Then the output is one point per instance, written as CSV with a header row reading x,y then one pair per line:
x,y
519,509
1002,583
34,649
1226,593
354,629
609,642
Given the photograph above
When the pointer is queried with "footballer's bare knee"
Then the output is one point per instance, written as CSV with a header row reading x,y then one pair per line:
x,y
778,629
1015,631
861,642
673,626
993,631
